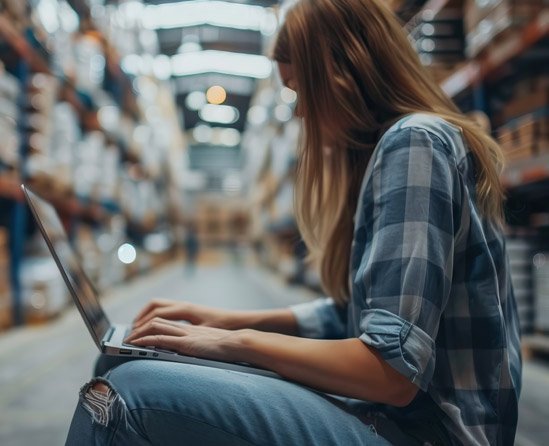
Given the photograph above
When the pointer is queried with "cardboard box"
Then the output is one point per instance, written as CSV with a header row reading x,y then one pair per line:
x,y
5,294
6,316
542,146
474,11
526,103
525,136
518,153
438,29
506,138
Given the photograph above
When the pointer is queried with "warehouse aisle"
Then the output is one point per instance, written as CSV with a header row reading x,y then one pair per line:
x,y
43,367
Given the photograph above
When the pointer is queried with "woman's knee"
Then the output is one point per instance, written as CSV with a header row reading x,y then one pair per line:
x,y
102,402
104,363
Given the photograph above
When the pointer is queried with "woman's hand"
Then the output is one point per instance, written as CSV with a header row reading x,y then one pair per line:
x,y
192,340
185,311
277,320
334,366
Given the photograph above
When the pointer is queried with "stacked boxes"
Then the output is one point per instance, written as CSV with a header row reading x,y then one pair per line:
x,y
525,136
5,297
525,132
486,19
9,113
44,292
541,291
439,40
520,262
41,97
65,134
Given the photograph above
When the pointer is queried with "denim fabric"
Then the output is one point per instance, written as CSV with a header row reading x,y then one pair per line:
x,y
164,403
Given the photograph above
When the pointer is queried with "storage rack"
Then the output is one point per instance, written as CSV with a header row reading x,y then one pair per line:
x,y
479,82
483,82
24,55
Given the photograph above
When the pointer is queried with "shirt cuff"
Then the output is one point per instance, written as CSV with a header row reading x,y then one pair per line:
x,y
319,319
404,346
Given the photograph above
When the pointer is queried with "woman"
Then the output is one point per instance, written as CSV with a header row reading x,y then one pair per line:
x,y
419,342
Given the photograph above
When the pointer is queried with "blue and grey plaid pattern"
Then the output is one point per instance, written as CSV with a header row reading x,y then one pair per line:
x,y
430,286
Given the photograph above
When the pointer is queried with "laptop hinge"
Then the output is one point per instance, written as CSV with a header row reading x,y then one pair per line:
x,y
108,335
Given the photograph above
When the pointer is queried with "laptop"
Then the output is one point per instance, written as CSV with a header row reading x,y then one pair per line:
x,y
107,337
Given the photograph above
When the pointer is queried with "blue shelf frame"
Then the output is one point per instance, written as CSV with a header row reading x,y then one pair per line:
x,y
19,217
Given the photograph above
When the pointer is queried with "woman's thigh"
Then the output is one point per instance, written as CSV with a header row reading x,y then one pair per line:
x,y
165,403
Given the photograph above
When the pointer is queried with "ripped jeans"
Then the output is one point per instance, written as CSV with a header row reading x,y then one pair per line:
x,y
162,403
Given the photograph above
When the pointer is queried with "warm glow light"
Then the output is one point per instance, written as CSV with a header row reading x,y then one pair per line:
x,y
216,95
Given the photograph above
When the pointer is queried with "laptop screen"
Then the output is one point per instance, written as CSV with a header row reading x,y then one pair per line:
x,y
80,286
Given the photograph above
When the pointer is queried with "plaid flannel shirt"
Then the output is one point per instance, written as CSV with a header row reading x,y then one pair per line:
x,y
430,285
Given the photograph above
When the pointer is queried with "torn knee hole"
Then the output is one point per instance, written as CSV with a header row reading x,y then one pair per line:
x,y
100,387
100,400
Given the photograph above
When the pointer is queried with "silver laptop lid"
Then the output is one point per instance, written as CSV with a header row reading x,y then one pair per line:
x,y
82,291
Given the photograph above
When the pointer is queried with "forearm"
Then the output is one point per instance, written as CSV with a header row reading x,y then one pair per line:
x,y
277,321
344,367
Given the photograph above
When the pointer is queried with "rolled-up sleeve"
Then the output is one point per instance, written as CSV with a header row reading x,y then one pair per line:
x,y
321,319
408,207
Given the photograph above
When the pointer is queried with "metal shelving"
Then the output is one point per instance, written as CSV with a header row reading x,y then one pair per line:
x,y
501,52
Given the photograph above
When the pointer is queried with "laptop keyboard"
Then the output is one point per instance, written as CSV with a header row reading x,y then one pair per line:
x,y
156,349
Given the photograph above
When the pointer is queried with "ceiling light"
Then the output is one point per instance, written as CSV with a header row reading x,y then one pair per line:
x,y
131,64
223,114
211,61
68,18
127,253
46,10
216,95
283,113
195,100
229,137
269,24
193,180
216,13
288,95
108,117
232,184
202,133
189,47
162,67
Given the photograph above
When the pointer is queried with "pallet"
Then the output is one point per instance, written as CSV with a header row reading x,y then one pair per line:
x,y
535,345
6,317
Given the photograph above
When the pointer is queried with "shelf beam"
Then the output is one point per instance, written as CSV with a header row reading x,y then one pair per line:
x,y
435,6
488,64
22,46
526,171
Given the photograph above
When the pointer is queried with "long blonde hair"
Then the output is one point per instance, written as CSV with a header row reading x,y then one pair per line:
x,y
356,73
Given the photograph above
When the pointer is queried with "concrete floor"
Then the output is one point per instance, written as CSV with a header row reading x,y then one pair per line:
x,y
42,368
